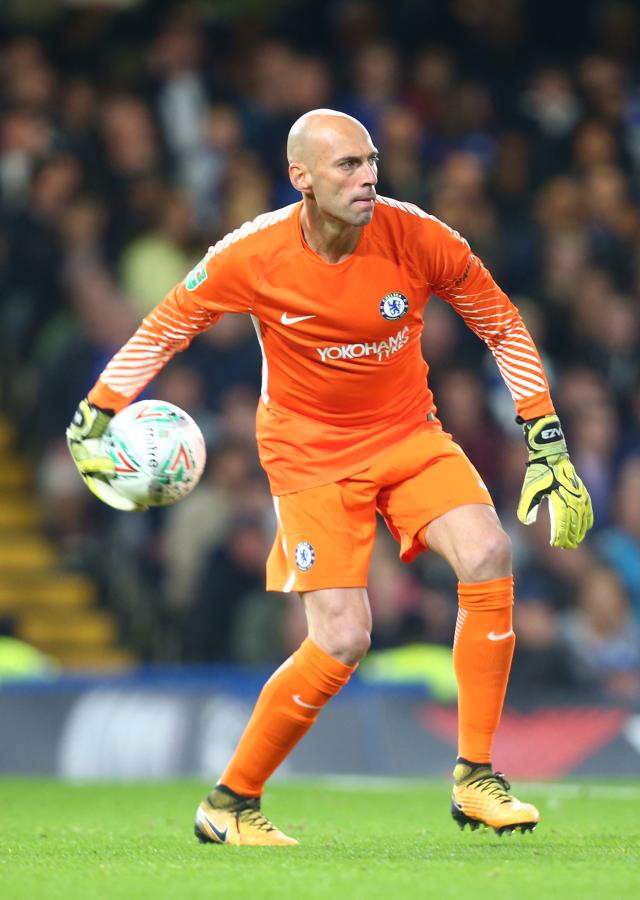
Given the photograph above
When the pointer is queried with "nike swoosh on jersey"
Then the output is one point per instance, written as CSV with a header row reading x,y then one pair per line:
x,y
292,320
499,637
298,699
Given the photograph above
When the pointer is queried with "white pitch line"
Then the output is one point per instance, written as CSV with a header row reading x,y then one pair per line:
x,y
385,784
579,789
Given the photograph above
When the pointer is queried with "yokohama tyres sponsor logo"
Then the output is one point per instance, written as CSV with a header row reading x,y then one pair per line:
x,y
381,349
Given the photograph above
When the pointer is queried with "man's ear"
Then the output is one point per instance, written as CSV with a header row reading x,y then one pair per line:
x,y
300,177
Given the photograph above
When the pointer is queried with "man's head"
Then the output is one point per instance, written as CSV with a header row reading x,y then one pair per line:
x,y
334,164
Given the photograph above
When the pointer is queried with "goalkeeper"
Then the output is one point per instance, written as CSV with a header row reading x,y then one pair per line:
x,y
336,286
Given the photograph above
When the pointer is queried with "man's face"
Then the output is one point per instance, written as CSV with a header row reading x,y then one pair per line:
x,y
343,172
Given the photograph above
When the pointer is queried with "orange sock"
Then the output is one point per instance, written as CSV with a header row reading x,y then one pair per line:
x,y
482,652
286,709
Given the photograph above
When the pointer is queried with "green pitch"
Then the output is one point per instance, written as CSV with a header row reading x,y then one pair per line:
x,y
372,840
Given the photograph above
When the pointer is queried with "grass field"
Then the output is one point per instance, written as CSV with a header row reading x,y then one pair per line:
x,y
373,840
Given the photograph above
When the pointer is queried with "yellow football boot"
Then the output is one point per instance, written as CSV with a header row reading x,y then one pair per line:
x,y
481,797
226,818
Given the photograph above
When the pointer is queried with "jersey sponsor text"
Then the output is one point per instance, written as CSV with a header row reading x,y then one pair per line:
x,y
381,349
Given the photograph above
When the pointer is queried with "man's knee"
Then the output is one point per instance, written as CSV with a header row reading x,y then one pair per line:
x,y
339,621
349,643
487,558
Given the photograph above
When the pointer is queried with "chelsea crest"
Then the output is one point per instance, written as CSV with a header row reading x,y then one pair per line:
x,y
305,556
394,306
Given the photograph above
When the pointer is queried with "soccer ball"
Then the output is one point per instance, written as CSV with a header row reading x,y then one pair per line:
x,y
158,451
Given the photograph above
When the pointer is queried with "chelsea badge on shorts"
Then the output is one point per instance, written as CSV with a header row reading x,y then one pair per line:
x,y
305,556
394,306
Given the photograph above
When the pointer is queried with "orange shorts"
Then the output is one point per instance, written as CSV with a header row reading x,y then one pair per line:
x,y
326,534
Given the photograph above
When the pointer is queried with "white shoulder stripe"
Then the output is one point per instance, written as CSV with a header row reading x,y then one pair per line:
x,y
265,220
414,210
406,207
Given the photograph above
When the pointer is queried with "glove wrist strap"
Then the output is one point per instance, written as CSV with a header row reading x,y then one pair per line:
x,y
544,438
89,421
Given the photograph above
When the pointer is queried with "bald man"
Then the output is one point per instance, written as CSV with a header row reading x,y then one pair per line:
x,y
336,286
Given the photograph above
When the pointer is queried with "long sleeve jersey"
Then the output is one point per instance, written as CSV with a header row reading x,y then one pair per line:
x,y
343,373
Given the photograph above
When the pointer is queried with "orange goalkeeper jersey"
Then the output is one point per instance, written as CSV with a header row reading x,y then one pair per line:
x,y
343,371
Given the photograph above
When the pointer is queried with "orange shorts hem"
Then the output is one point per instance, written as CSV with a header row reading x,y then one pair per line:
x,y
326,534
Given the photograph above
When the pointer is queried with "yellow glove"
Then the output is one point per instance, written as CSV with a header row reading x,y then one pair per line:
x,y
550,474
84,439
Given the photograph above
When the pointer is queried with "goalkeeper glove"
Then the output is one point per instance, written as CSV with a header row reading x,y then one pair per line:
x,y
84,439
550,474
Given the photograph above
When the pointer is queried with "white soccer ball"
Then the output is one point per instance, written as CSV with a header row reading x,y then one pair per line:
x,y
158,450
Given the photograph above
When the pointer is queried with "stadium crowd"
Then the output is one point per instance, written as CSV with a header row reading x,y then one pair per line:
x,y
134,135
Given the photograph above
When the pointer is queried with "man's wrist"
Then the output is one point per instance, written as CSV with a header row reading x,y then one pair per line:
x,y
89,421
544,437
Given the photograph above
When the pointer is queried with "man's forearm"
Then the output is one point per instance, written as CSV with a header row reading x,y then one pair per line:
x,y
168,329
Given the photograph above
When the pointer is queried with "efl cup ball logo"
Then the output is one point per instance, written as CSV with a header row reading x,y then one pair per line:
x,y
394,306
305,556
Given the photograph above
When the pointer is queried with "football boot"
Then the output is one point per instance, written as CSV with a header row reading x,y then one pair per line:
x,y
226,818
481,798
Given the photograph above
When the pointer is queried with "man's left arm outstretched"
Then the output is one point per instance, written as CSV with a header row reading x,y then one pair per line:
x,y
464,282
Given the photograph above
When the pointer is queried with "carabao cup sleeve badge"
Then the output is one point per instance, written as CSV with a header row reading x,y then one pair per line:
x,y
197,275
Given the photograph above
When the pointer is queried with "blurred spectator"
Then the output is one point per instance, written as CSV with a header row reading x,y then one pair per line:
x,y
25,136
28,80
232,576
619,544
542,658
464,412
398,600
429,89
594,144
511,182
34,251
551,104
68,514
265,88
602,636
248,191
604,81
594,436
135,165
541,572
228,356
375,83
221,137
399,140
200,523
460,199
176,63
153,262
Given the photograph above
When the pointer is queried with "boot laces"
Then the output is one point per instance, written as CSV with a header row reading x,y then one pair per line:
x,y
495,784
255,818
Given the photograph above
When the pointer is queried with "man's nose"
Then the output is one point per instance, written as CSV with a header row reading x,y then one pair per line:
x,y
370,174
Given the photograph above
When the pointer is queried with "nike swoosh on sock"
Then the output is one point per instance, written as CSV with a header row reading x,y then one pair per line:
x,y
298,699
